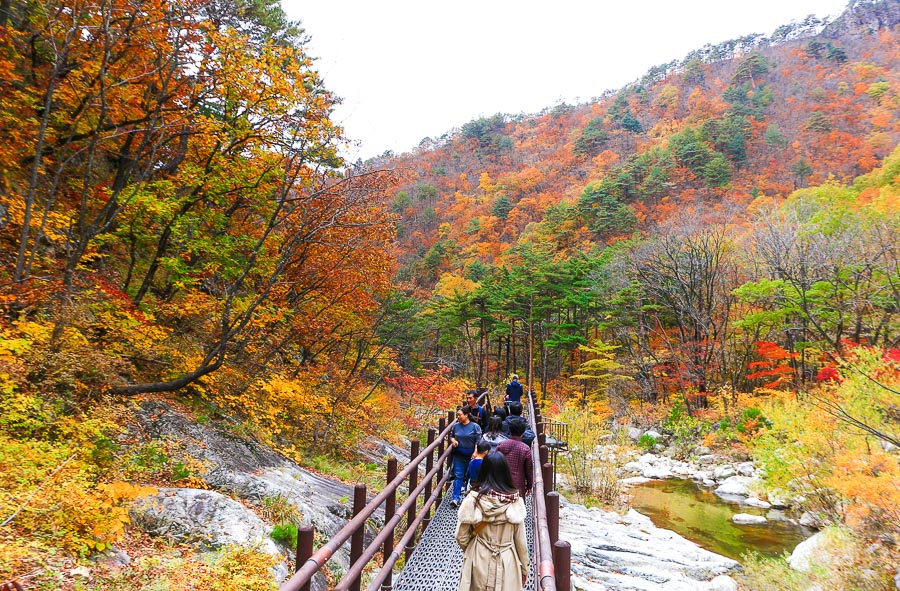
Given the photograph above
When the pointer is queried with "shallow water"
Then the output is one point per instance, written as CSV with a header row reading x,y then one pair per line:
x,y
704,518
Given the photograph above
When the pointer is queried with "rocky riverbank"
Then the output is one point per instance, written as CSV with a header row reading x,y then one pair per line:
x,y
627,552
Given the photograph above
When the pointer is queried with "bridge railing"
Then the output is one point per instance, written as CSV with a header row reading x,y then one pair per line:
x,y
552,557
431,488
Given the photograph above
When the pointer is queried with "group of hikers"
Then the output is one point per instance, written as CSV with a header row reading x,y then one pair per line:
x,y
492,452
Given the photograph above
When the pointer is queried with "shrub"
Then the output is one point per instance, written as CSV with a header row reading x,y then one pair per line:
x,y
285,534
279,509
752,420
647,442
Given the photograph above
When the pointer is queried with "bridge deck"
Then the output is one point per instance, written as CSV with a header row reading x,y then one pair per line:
x,y
437,560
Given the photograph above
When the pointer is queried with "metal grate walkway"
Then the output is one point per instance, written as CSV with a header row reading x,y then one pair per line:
x,y
437,560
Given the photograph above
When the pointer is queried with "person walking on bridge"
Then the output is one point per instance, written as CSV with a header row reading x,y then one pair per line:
x,y
464,436
521,466
491,531
514,390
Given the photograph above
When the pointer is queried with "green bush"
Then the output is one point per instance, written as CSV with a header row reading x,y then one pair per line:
x,y
285,534
647,442
752,420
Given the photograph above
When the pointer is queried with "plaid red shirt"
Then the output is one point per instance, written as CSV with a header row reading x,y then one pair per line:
x,y
521,467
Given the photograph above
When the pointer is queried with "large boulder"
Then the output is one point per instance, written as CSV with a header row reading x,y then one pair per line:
x,y
205,518
801,559
246,469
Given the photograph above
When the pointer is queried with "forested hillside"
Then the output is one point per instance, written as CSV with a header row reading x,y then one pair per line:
x,y
540,208
712,250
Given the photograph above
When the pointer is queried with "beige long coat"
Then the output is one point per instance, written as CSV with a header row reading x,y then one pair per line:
x,y
497,558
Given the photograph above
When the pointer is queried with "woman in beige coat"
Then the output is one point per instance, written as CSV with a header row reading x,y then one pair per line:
x,y
491,531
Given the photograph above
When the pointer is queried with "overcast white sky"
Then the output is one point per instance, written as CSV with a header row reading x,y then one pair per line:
x,y
410,69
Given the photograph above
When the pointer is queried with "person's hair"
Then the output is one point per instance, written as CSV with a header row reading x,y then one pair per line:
x,y
471,393
517,426
515,409
515,376
500,412
494,475
483,446
495,425
465,409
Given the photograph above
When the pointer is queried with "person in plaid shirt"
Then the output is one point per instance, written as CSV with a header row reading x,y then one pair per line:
x,y
518,455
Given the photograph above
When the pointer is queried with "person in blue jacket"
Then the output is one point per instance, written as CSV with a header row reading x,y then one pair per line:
x,y
514,391
481,450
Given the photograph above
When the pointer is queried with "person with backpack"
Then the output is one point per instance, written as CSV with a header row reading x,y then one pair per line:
x,y
514,391
491,531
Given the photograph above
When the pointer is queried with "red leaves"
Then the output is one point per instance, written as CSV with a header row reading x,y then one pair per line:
x,y
774,363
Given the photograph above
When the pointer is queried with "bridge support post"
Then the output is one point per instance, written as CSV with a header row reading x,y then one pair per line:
x,y
390,507
356,541
413,483
562,565
305,537
553,516
429,464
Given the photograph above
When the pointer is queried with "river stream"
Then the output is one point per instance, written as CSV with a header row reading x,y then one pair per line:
x,y
704,518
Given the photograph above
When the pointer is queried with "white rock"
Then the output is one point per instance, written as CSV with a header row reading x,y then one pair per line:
x,y
777,499
707,459
709,482
723,472
746,469
721,583
635,480
633,467
634,433
810,520
611,551
755,502
203,517
801,558
747,519
657,473
653,434
735,486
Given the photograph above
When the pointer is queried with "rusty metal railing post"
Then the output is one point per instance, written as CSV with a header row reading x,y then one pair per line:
x,y
305,536
429,464
356,542
451,418
553,516
390,507
413,483
442,425
544,454
562,565
547,475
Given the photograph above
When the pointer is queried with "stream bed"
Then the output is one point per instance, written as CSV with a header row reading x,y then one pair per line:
x,y
704,518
